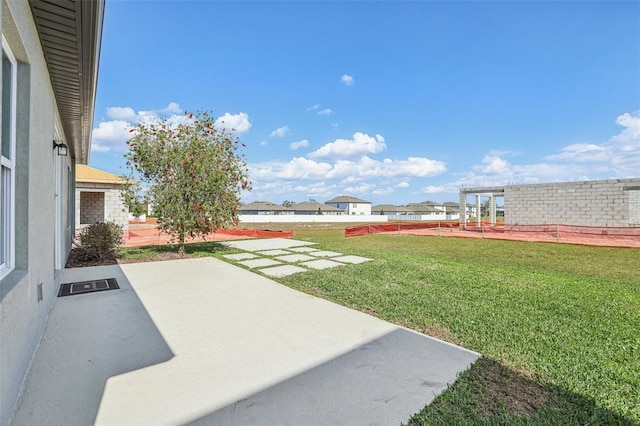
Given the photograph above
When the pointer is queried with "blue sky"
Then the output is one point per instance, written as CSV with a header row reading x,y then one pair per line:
x,y
392,102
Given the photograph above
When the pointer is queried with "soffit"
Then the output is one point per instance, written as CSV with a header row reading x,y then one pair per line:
x,y
70,34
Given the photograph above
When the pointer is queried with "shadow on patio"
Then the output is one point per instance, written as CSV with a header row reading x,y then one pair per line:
x,y
202,340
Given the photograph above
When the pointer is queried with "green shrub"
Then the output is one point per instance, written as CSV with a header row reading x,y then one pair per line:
x,y
100,240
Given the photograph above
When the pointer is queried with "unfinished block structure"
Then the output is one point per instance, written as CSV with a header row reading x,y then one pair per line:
x,y
601,203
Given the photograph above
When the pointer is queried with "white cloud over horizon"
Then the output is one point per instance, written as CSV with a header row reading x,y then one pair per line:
x,y
112,134
361,144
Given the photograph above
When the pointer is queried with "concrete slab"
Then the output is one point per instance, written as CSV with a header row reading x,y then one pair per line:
x,y
294,258
240,256
303,249
202,341
325,253
266,244
282,271
273,252
322,264
259,263
351,259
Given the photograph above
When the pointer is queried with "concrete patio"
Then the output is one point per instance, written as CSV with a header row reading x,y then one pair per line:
x,y
200,341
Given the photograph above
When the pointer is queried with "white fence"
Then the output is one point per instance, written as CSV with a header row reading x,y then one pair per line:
x,y
310,218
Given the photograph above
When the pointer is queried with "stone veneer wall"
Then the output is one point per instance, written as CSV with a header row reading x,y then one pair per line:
x,y
613,202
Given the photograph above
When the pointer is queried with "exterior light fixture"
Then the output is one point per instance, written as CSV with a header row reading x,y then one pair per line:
x,y
62,148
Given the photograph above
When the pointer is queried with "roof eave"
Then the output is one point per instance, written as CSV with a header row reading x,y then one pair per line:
x,y
72,26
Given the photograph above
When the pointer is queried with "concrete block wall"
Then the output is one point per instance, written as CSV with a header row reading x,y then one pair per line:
x,y
611,202
91,207
634,207
98,202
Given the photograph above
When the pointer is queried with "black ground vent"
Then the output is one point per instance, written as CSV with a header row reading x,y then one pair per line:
x,y
71,289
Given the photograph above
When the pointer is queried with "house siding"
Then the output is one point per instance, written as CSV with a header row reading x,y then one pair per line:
x,y
22,315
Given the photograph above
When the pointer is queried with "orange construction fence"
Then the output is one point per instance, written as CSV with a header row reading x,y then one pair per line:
x,y
611,236
377,228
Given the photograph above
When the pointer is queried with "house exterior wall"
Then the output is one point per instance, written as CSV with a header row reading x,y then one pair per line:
x,y
22,312
112,208
353,208
612,202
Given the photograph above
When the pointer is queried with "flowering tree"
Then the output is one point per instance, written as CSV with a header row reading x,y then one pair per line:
x,y
190,171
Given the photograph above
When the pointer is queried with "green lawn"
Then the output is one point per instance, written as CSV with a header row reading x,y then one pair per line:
x,y
558,325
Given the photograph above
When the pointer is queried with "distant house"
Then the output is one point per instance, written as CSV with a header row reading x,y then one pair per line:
x,y
386,209
98,198
310,207
428,206
264,207
351,205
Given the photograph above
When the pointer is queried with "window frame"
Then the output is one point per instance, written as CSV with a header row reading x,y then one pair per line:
x,y
8,190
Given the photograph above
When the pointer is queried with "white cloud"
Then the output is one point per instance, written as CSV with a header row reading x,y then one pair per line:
x,y
299,144
173,107
264,143
581,152
352,171
347,79
493,165
620,154
363,188
280,132
111,136
403,184
314,107
238,123
360,145
382,191
618,157
121,113
326,111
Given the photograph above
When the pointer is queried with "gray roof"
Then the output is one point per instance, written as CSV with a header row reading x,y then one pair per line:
x,y
347,199
385,207
451,204
263,206
71,34
307,206
424,203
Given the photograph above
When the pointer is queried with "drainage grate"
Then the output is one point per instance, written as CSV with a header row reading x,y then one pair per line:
x,y
70,289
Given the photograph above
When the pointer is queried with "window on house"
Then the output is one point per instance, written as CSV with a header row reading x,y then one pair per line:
x,y
354,205
7,161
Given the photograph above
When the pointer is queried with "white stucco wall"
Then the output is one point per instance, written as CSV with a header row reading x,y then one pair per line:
x,y
353,208
22,315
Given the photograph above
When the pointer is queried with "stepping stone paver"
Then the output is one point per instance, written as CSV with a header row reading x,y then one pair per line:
x,y
294,258
273,252
266,244
351,259
322,264
257,263
303,249
282,271
325,253
240,256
